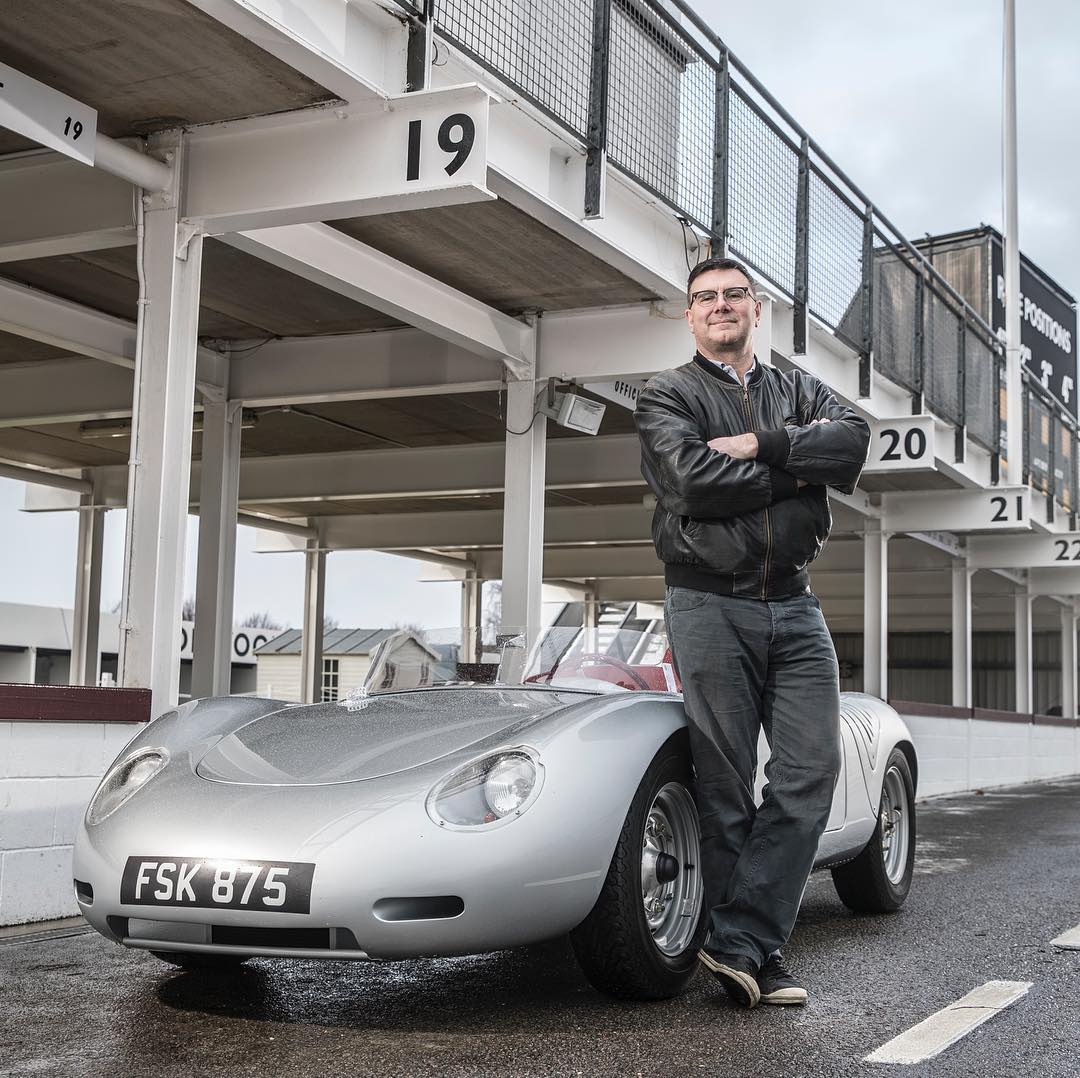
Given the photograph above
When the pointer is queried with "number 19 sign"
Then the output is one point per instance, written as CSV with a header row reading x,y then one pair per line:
x,y
444,145
53,119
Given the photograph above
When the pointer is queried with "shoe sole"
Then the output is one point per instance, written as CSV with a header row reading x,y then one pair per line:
x,y
740,986
785,997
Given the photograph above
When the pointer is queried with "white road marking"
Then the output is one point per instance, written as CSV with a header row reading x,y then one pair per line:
x,y
1068,941
934,1034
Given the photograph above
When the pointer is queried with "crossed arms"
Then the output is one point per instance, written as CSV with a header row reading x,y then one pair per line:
x,y
726,476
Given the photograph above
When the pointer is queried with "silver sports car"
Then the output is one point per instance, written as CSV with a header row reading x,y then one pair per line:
x,y
465,798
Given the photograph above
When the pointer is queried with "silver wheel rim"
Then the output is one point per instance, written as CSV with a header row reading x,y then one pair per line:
x,y
671,909
895,825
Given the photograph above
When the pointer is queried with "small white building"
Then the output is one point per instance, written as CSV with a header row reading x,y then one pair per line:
x,y
346,658
35,648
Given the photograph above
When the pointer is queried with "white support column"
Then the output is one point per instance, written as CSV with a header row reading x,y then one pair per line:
x,y
471,589
876,610
1022,627
1068,660
31,666
85,649
219,484
523,509
311,647
961,633
591,620
160,462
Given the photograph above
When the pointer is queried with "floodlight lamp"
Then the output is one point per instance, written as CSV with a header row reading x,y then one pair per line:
x,y
571,410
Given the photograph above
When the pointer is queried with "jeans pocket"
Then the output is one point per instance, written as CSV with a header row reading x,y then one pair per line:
x,y
683,600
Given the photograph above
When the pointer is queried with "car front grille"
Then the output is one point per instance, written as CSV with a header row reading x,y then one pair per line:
x,y
177,933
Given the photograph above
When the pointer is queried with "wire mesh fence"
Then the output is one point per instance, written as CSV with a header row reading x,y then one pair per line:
x,y
1065,464
980,388
661,108
660,80
542,47
763,177
835,260
1037,449
941,356
895,318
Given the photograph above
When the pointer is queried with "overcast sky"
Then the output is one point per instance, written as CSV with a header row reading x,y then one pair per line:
x,y
904,97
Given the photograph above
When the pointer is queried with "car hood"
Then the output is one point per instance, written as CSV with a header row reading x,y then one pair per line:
x,y
389,733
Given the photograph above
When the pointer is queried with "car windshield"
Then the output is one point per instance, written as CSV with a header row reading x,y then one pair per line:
x,y
601,659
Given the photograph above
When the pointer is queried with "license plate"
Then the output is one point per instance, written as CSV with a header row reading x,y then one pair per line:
x,y
211,883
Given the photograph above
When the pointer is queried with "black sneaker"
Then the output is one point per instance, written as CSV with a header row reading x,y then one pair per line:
x,y
777,985
737,974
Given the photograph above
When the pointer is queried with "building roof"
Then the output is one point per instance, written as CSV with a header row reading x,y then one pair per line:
x,y
335,642
946,239
25,625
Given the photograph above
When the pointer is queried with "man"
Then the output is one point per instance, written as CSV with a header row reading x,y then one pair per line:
x,y
739,455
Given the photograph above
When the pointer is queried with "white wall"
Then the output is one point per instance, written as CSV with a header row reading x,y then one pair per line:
x,y
352,671
957,754
942,749
16,666
279,677
48,772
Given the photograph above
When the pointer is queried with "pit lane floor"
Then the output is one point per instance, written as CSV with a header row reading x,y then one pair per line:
x,y
998,877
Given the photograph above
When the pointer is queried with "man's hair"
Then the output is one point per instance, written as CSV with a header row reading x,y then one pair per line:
x,y
718,264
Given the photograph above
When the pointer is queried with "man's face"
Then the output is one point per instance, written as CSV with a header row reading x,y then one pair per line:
x,y
721,326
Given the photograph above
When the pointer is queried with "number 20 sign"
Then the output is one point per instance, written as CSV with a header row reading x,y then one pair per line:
x,y
905,444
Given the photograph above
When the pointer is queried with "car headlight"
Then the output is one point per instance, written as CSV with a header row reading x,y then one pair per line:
x,y
122,780
496,789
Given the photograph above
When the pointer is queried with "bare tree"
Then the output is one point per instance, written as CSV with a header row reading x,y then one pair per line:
x,y
329,624
262,619
491,603
187,610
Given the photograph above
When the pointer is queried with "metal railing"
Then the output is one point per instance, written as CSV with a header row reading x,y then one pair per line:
x,y
647,87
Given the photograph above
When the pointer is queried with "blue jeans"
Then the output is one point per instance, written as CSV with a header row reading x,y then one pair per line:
x,y
747,664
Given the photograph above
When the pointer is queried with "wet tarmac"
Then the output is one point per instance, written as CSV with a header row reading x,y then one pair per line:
x,y
998,877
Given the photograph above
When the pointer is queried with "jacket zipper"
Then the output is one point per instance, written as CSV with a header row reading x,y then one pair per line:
x,y
768,521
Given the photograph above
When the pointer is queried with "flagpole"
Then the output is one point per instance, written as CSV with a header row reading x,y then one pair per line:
x,y
1013,381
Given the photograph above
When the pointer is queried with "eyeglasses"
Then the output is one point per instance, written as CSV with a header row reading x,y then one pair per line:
x,y
707,297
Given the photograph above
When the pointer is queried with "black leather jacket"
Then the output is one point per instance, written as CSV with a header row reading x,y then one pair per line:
x,y
744,527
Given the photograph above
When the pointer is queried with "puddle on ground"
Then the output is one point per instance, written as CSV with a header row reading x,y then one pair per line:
x,y
935,858
939,866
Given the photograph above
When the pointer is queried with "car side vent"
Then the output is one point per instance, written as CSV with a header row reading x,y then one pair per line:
x,y
84,892
424,908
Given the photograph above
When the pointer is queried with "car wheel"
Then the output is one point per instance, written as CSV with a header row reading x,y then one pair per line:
x,y
878,880
198,960
642,938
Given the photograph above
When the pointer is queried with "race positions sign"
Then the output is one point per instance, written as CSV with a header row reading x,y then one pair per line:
x,y
1047,327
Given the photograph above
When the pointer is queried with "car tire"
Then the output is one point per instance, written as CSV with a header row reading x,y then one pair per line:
x,y
878,880
197,960
620,952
